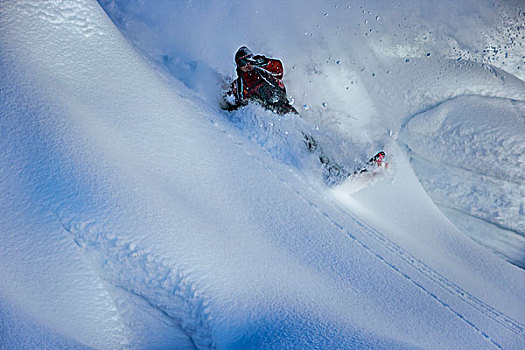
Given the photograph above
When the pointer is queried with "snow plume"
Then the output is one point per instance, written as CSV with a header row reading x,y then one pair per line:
x,y
286,137
135,214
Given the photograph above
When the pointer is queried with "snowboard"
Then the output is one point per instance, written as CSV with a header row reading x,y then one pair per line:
x,y
335,174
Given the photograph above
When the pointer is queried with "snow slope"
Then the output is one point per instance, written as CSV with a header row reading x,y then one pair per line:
x,y
363,70
135,215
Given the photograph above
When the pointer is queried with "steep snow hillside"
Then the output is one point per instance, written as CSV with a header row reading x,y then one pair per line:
x,y
136,214
366,69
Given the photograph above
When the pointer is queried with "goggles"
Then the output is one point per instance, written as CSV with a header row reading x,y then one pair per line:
x,y
243,61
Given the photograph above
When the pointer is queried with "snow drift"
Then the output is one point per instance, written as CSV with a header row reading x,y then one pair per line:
x,y
135,215
470,155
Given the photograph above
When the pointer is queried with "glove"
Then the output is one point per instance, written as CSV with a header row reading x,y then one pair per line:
x,y
258,60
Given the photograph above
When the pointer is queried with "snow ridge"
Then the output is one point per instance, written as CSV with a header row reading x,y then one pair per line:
x,y
469,154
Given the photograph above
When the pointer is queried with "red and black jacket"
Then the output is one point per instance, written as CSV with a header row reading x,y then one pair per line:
x,y
267,72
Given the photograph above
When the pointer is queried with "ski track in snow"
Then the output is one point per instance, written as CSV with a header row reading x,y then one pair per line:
x,y
419,266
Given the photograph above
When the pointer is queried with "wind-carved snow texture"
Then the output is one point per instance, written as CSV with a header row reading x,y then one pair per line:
x,y
136,214
72,15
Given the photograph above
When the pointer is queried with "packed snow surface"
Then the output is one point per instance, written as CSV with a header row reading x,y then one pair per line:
x,y
134,213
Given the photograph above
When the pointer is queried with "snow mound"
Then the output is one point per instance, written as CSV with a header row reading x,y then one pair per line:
x,y
469,153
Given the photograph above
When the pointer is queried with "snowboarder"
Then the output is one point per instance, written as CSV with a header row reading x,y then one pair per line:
x,y
259,79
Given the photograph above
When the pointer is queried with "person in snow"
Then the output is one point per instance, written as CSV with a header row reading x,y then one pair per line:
x,y
259,79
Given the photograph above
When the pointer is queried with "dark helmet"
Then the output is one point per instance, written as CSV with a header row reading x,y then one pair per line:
x,y
243,53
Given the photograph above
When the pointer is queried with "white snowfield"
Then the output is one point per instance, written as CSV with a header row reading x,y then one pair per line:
x,y
135,214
